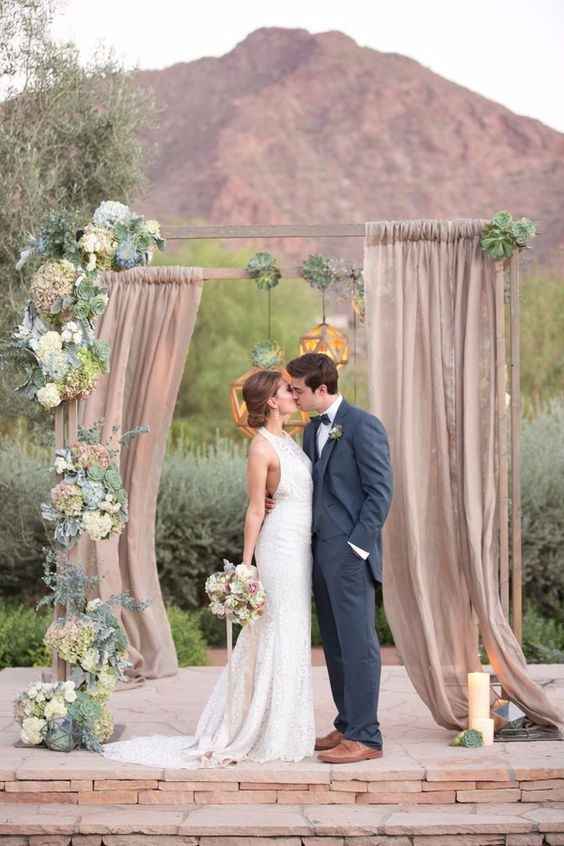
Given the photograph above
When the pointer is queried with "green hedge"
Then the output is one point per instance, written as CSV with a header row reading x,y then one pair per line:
x,y
21,636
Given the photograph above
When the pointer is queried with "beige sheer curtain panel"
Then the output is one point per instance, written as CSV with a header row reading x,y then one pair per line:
x,y
430,305
149,323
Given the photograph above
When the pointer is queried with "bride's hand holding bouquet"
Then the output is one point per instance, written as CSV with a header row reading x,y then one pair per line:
x,y
236,591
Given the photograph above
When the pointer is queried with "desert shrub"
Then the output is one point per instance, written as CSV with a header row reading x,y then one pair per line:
x,y
543,511
543,638
201,505
24,484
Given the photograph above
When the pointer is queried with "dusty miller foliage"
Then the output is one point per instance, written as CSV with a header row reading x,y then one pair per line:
x,y
70,586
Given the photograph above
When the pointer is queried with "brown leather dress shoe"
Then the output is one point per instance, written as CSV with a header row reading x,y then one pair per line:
x,y
329,741
350,752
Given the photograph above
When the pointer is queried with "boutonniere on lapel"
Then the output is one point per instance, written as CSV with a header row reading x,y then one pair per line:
x,y
336,432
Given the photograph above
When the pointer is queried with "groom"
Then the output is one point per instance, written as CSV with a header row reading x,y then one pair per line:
x,y
352,489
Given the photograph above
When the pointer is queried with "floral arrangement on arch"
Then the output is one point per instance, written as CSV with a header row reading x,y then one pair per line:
x,y
55,343
65,715
90,498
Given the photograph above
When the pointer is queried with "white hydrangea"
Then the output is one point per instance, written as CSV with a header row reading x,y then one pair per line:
x,y
56,364
48,343
93,604
71,332
90,660
56,707
69,691
32,731
49,396
61,464
153,227
109,213
97,525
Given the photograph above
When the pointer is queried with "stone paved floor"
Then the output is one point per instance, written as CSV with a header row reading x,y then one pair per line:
x,y
172,705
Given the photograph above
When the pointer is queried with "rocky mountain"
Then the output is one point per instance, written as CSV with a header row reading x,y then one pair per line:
x,y
295,127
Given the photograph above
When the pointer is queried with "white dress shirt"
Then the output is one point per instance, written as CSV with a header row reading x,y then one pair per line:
x,y
322,438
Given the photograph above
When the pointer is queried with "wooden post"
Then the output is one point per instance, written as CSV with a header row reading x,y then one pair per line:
x,y
503,477
516,548
66,430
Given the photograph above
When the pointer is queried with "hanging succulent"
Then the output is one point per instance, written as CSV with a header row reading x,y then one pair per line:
x,y
267,354
502,235
319,272
263,268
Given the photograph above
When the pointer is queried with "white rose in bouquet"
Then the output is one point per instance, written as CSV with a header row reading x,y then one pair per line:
x,y
246,572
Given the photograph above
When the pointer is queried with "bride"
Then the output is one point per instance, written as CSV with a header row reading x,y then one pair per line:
x,y
271,691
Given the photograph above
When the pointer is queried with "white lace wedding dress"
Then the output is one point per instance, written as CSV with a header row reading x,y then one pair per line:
x,y
272,697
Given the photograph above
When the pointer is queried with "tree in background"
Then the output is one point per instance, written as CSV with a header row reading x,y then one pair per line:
x,y
68,140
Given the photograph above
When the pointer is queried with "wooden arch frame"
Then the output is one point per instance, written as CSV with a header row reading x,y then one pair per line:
x,y
509,453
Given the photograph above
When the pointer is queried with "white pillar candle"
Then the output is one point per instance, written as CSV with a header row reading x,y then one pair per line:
x,y
486,727
478,696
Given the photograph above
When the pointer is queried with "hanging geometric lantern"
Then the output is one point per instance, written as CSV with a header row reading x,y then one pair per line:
x,y
326,339
323,273
265,356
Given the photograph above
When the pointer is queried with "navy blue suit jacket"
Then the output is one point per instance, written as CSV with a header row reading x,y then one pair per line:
x,y
352,482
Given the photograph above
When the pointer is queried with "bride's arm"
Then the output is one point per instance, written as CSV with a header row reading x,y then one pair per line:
x,y
257,470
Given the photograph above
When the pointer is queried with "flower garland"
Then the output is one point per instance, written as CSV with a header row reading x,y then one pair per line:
x,y
55,342
62,360
63,715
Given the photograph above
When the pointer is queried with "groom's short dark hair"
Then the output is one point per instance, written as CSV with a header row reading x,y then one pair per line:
x,y
315,369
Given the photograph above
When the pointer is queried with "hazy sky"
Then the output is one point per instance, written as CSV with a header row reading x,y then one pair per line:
x,y
511,51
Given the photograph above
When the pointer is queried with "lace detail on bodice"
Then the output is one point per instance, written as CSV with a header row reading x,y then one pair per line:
x,y
272,696
295,469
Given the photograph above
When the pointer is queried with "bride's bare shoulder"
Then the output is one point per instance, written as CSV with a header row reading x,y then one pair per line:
x,y
260,447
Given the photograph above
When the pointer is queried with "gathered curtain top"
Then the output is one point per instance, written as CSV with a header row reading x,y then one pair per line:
x,y
160,275
396,231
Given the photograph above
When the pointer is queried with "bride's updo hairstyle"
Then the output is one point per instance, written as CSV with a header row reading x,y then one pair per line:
x,y
257,390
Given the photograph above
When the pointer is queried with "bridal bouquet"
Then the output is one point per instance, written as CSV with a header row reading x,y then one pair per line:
x,y
236,591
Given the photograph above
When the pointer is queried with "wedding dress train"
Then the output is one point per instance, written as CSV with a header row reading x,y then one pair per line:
x,y
272,697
